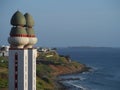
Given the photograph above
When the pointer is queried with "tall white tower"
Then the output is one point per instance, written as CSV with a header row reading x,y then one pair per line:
x,y
22,55
31,52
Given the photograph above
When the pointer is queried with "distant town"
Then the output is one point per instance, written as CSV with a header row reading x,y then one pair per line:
x,y
42,52
4,50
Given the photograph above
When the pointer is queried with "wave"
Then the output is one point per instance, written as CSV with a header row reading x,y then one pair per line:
x,y
73,77
77,87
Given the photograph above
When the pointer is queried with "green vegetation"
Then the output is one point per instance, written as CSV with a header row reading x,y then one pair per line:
x,y
3,72
3,62
43,70
51,55
3,83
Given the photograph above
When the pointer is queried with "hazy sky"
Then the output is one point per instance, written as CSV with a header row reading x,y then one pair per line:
x,y
67,22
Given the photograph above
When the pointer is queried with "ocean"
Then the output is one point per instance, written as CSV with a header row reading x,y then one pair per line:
x,y
105,72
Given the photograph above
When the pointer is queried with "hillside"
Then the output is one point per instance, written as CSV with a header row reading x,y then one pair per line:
x,y
49,66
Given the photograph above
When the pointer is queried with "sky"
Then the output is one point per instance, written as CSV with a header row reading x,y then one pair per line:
x,y
64,23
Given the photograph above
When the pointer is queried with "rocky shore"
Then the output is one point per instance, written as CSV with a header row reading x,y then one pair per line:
x,y
67,70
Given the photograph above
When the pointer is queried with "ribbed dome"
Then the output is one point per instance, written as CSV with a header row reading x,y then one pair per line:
x,y
30,32
32,41
22,34
18,19
18,37
29,20
18,42
18,31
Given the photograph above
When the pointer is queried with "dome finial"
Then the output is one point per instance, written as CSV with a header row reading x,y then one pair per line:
x,y
29,20
30,30
18,35
18,19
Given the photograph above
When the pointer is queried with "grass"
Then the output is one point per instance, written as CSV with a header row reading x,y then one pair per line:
x,y
43,70
3,72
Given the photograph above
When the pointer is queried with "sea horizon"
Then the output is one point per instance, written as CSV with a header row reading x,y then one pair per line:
x,y
105,64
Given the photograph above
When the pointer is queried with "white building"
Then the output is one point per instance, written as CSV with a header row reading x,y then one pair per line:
x,y
22,55
4,50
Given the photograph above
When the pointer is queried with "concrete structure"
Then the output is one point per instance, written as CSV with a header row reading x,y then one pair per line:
x,y
22,55
18,69
32,69
4,50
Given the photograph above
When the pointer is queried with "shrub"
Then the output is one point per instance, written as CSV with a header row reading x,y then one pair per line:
x,y
3,83
46,79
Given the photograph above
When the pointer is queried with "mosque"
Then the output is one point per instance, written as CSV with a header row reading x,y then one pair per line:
x,y
22,54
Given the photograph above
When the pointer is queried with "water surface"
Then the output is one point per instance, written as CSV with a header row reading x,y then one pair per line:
x,y
105,62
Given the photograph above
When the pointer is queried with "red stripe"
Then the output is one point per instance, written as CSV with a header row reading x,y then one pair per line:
x,y
19,35
22,35
31,35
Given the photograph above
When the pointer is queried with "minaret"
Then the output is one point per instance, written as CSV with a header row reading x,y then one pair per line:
x,y
18,55
22,55
31,52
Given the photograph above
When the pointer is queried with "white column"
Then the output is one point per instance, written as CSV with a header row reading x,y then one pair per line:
x,y
11,69
32,53
22,78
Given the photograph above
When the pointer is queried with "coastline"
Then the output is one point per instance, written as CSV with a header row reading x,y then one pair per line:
x,y
59,81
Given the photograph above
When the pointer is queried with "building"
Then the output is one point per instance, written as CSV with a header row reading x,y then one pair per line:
x,y
4,50
22,55
41,49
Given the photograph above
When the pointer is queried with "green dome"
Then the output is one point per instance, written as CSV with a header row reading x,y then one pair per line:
x,y
29,20
18,31
18,19
30,32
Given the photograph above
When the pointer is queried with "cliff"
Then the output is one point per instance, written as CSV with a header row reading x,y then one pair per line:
x,y
47,74
48,68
